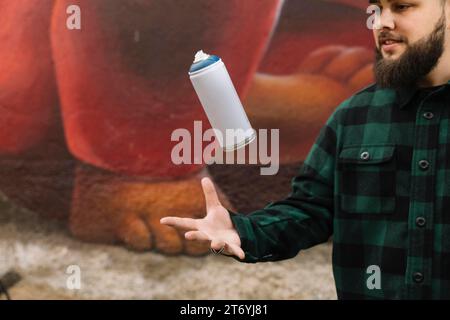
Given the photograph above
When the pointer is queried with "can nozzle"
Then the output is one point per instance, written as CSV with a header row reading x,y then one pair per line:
x,y
200,56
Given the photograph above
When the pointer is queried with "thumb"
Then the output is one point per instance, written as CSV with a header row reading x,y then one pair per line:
x,y
229,248
217,244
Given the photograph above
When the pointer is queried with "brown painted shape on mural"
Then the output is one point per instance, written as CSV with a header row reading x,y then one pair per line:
x,y
110,208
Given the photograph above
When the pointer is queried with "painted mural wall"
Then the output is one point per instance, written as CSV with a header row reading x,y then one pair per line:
x,y
86,115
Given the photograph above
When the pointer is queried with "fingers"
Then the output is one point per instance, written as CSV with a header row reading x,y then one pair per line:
x,y
166,240
319,58
338,62
135,233
196,235
348,63
216,244
198,243
180,223
230,249
236,251
211,197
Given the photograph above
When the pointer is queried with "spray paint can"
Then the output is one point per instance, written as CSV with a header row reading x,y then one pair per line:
x,y
219,99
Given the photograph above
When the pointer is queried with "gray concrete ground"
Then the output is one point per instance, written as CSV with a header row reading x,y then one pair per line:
x,y
41,250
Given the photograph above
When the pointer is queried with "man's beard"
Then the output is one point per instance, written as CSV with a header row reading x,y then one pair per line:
x,y
418,60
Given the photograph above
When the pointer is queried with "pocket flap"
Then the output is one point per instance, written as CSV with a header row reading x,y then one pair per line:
x,y
367,154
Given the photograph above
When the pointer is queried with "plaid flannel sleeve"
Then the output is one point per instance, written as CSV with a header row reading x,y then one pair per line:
x,y
305,217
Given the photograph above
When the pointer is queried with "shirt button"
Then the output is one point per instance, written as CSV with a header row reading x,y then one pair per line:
x,y
428,115
421,221
418,277
365,155
424,164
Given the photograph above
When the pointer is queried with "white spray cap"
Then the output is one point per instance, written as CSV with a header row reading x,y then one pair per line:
x,y
200,56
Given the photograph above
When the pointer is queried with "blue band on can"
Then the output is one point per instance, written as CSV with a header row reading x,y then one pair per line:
x,y
204,63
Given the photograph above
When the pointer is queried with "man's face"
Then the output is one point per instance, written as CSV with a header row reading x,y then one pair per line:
x,y
410,41
403,23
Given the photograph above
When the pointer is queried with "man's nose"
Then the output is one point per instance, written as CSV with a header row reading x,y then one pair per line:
x,y
386,20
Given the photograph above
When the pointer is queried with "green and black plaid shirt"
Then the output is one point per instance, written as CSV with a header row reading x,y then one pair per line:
x,y
377,179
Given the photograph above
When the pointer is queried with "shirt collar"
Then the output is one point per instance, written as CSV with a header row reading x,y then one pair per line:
x,y
404,95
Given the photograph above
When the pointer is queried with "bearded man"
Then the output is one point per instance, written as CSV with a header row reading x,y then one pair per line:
x,y
377,178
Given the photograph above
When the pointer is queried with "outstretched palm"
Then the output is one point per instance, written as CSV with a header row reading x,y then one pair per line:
x,y
216,226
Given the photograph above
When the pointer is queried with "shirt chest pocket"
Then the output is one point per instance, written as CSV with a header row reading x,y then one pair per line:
x,y
367,179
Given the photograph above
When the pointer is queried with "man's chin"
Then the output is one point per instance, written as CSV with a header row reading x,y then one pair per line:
x,y
392,56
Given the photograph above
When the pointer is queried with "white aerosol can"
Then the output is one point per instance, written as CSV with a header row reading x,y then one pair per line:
x,y
220,101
